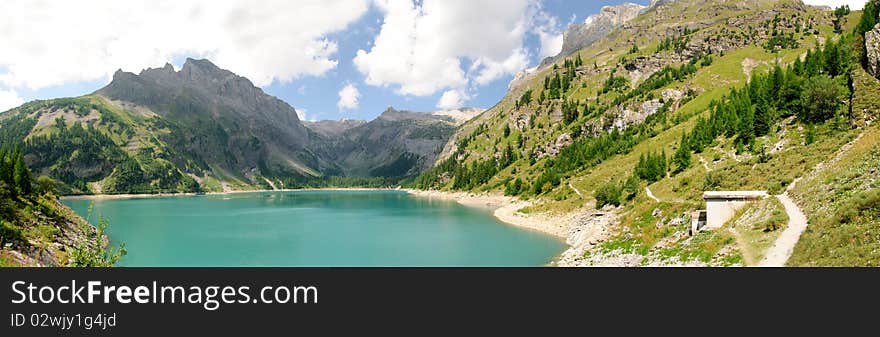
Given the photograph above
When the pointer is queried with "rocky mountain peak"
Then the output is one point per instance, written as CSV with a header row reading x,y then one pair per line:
x,y
597,26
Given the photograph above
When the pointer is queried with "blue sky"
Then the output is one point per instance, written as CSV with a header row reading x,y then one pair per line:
x,y
419,56
318,95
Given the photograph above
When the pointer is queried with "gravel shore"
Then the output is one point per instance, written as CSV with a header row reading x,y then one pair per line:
x,y
581,230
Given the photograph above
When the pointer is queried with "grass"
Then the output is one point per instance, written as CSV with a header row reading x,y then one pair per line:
x,y
758,228
866,101
625,246
6,260
775,174
703,247
842,204
211,184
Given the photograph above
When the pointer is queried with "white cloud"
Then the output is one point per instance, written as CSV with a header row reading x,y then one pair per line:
x,y
9,99
853,4
488,70
549,33
421,48
348,97
301,114
60,42
452,99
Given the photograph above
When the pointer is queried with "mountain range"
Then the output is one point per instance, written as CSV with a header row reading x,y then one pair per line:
x,y
616,138
203,128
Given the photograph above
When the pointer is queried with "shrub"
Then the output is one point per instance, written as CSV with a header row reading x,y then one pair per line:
x,y
819,99
47,185
863,204
9,232
608,194
96,254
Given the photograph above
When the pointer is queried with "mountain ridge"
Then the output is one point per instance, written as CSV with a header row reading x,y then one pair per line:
x,y
204,128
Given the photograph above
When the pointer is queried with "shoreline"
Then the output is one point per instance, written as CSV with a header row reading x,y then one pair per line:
x,y
578,230
189,194
505,209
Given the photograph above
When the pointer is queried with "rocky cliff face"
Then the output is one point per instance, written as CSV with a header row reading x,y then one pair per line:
x,y
225,122
596,27
395,144
872,45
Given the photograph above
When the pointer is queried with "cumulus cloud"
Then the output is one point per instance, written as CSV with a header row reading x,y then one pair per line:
x,y
549,33
60,42
9,99
422,47
452,99
348,97
853,4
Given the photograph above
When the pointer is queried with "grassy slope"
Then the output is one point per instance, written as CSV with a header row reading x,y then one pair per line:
x,y
842,200
679,193
46,232
135,133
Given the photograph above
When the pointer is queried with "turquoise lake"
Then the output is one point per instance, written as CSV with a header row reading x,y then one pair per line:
x,y
314,228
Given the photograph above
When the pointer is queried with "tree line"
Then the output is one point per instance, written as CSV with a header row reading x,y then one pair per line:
x,y
812,90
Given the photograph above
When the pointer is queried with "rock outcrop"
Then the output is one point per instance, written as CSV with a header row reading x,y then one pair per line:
x,y
872,45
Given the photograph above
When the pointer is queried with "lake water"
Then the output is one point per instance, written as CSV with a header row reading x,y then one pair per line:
x,y
314,228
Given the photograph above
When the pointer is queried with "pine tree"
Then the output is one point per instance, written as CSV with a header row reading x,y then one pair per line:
x,y
22,176
682,156
5,168
631,187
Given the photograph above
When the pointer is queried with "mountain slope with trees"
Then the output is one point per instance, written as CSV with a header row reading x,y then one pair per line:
x,y
687,97
205,129
36,229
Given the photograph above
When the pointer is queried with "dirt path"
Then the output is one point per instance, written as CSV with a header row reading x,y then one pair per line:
x,y
781,250
705,164
270,184
651,194
575,190
778,255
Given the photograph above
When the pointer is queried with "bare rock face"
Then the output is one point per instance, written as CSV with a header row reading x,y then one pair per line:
x,y
552,149
872,44
595,28
222,120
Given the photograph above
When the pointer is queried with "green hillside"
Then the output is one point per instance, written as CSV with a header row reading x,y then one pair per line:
x,y
732,96
92,146
38,230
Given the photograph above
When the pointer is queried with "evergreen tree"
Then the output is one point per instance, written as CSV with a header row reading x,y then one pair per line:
x,y
22,176
5,167
631,187
682,156
870,16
